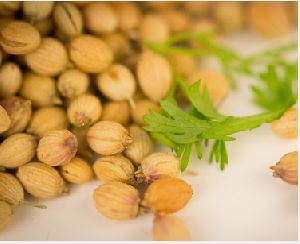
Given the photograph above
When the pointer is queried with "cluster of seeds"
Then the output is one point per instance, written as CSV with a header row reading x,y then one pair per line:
x,y
76,79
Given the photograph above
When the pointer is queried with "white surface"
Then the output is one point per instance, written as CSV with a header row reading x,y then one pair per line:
x,y
242,203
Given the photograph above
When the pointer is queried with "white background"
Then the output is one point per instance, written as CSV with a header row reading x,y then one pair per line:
x,y
243,202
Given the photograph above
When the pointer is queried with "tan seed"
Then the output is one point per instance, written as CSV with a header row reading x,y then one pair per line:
x,y
83,147
154,75
4,120
40,90
44,26
141,146
17,150
167,195
153,28
84,110
19,112
287,126
287,168
229,15
217,84
269,19
129,15
118,111
77,171
72,83
141,108
90,54
19,37
96,11
114,168
68,19
177,20
36,10
41,180
11,190
108,138
10,79
40,124
158,165
170,228
117,83
50,58
116,200
57,147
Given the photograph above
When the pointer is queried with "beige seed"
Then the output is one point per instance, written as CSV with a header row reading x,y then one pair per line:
x,y
41,180
72,83
217,84
141,108
19,37
154,75
287,168
9,8
153,28
183,64
84,110
118,111
44,26
57,147
6,213
119,45
205,25
198,8
68,19
10,79
141,146
294,12
114,168
117,83
229,15
161,5
36,10
287,126
77,171
90,54
17,150
40,124
5,121
117,200
40,90
19,112
96,11
167,195
108,138
177,20
50,58
129,15
11,190
83,147
170,228
269,19
158,165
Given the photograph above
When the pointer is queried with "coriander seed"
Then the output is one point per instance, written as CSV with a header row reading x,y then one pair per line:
x,y
84,110
108,138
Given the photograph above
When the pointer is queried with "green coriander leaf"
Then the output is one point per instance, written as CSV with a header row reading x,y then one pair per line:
x,y
164,140
233,125
185,157
198,148
181,116
202,102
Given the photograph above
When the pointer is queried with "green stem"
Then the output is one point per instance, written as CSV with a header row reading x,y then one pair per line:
x,y
172,91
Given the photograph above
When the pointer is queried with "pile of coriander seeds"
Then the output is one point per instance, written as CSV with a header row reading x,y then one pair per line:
x,y
76,79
